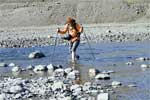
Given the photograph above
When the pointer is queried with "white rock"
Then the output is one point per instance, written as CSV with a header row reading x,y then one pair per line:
x,y
16,69
108,31
103,96
36,54
59,72
92,72
76,89
57,85
144,66
73,87
3,96
71,75
53,99
87,86
11,65
64,98
68,70
50,67
142,58
39,68
102,76
116,84
3,65
16,89
17,96
110,71
129,63
30,67
132,85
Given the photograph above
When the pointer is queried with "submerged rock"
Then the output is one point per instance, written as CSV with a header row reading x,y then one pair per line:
x,y
36,54
102,76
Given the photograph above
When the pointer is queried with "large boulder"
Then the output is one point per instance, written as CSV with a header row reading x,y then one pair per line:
x,y
36,54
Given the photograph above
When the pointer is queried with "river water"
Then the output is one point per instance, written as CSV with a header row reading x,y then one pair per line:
x,y
108,56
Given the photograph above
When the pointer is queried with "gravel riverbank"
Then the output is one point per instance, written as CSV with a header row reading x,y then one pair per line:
x,y
37,36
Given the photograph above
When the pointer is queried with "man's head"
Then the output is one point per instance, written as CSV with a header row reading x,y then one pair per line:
x,y
70,20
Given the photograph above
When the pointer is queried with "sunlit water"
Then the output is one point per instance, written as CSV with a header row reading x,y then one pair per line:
x,y
108,56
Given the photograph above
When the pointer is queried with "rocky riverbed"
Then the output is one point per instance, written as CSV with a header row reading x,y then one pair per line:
x,y
62,84
120,69
37,36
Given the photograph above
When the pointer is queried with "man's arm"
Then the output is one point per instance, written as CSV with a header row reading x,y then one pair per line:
x,y
64,30
79,28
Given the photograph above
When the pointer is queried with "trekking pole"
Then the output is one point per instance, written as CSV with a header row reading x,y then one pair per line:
x,y
89,46
55,43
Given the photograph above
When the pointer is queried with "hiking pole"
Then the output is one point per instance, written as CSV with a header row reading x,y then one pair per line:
x,y
89,46
55,43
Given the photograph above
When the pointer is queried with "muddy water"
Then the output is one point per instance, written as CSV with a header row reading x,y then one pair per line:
x,y
108,56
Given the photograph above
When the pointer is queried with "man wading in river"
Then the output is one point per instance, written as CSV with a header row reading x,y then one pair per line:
x,y
74,30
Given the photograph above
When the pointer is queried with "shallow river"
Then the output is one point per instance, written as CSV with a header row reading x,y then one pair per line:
x,y
108,56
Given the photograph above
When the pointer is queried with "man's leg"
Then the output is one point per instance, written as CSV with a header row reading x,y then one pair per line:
x,y
74,48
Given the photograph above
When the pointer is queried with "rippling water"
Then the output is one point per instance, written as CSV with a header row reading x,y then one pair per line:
x,y
108,56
